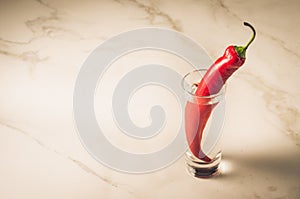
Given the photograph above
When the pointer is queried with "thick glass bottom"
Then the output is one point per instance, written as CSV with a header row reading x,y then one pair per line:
x,y
202,169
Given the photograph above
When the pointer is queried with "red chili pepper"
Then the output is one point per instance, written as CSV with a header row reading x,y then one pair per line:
x,y
211,83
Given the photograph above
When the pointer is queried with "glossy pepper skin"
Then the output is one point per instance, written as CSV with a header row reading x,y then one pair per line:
x,y
197,115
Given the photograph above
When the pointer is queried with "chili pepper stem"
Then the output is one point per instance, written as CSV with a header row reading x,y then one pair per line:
x,y
253,35
241,50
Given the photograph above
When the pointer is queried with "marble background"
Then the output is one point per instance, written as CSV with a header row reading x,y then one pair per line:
x,y
43,44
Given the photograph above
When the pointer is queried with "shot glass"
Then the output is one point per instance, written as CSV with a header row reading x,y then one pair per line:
x,y
204,116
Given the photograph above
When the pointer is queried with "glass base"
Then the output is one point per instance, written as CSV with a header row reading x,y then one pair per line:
x,y
202,169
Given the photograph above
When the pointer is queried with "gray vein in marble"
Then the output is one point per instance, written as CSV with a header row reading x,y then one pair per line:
x,y
45,4
80,164
119,2
27,135
275,100
36,25
282,44
256,195
5,41
41,27
153,12
47,25
272,188
226,8
28,56
89,170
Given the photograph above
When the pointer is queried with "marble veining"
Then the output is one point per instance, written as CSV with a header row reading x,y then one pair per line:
x,y
154,12
42,47
77,162
277,102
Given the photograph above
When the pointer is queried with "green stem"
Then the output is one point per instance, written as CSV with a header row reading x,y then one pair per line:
x,y
253,35
241,50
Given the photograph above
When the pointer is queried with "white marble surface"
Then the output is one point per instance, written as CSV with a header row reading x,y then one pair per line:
x,y
42,46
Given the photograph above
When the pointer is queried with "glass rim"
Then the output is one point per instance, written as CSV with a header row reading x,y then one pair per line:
x,y
220,93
